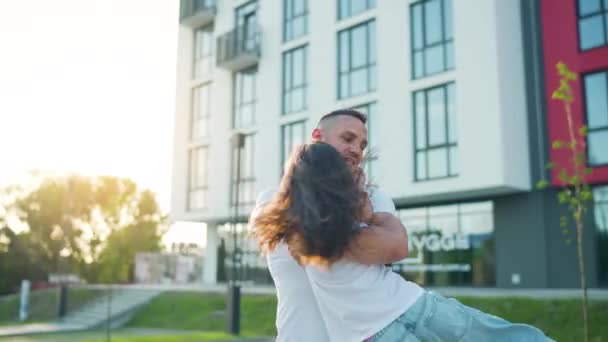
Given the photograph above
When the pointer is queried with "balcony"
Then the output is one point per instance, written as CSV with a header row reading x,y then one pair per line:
x,y
196,13
239,48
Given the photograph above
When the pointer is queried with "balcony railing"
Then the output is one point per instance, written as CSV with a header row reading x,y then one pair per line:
x,y
239,48
196,13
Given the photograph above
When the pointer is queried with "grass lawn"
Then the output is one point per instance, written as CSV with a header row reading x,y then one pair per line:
x,y
124,335
43,304
560,319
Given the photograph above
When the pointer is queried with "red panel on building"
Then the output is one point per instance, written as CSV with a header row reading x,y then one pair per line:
x,y
560,44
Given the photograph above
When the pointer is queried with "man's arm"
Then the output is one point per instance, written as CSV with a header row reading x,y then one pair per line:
x,y
383,242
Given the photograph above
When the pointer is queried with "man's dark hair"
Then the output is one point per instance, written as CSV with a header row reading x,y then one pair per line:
x,y
346,112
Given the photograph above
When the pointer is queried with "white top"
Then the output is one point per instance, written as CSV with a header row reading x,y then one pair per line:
x,y
358,300
298,316
337,299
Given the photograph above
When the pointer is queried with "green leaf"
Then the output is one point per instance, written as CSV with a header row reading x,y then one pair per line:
x,y
563,176
583,131
588,171
586,195
563,196
575,180
541,184
557,144
568,241
563,221
550,166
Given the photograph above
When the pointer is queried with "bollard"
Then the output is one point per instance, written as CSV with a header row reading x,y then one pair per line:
x,y
233,313
62,306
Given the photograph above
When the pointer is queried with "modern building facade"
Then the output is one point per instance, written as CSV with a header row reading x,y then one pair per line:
x,y
460,122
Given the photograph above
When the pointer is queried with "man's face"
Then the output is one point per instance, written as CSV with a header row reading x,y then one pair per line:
x,y
348,135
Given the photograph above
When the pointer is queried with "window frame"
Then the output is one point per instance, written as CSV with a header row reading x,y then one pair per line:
x,y
590,130
447,145
237,95
289,18
603,14
289,126
370,67
288,89
444,42
201,185
370,4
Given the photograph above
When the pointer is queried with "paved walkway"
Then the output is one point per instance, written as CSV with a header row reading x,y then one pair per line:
x,y
37,328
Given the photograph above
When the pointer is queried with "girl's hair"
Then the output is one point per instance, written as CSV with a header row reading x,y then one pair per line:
x,y
315,210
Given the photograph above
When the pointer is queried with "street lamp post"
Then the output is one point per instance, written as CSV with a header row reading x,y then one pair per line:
x,y
234,290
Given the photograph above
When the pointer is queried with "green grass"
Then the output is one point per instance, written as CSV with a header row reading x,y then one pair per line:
x,y
123,335
200,337
204,311
43,305
560,319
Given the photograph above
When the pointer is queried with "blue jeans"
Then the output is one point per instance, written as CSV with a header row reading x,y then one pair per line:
x,y
435,318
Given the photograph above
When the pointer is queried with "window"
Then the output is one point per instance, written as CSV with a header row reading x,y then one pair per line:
x,y
371,154
292,135
596,108
197,180
357,60
203,51
592,23
348,8
436,150
247,26
201,109
246,179
432,40
244,98
449,245
294,80
295,13
600,197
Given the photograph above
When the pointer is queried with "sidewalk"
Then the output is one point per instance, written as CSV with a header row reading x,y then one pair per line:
x,y
37,328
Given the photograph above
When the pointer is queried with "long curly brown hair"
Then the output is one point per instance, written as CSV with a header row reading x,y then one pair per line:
x,y
316,208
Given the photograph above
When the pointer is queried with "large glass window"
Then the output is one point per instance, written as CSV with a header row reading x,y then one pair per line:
x,y
197,180
592,23
435,147
244,97
432,39
596,109
201,111
600,196
296,19
292,135
203,52
450,245
357,60
371,152
348,8
294,80
246,179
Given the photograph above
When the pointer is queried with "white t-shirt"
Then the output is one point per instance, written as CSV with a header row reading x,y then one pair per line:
x,y
305,312
298,316
358,300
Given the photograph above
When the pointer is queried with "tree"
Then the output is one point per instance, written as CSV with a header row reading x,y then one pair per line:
x,y
576,193
117,259
79,225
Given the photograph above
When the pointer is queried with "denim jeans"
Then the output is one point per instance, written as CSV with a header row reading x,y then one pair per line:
x,y
435,318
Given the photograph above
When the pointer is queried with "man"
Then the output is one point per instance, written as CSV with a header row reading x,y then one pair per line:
x,y
298,314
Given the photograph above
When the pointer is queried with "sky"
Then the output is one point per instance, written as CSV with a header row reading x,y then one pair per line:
x,y
88,86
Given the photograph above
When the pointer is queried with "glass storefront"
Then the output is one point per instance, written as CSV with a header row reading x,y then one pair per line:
x,y
600,197
250,265
449,245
